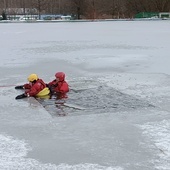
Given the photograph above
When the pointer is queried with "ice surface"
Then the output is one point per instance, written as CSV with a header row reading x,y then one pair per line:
x,y
119,76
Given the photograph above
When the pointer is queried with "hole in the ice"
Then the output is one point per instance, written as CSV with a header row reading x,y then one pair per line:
x,y
94,101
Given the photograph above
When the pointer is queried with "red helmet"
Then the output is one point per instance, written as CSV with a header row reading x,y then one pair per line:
x,y
60,76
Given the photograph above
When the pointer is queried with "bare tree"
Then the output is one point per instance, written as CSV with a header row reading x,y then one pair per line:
x,y
92,9
77,8
161,5
40,5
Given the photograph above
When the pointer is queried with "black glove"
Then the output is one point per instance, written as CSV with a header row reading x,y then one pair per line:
x,y
52,89
21,96
19,87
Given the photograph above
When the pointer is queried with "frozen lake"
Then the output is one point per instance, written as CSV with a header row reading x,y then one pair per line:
x,y
118,115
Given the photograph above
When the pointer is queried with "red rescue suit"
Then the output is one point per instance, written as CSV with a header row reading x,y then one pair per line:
x,y
59,86
32,89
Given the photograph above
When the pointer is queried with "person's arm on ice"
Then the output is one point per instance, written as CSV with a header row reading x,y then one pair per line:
x,y
35,88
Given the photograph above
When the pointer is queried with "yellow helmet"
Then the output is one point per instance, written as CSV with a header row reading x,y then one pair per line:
x,y
32,77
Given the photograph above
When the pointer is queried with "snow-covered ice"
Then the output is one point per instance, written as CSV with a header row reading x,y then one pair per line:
x,y
119,77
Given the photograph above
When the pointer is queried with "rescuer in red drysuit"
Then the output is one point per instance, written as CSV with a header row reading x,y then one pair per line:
x,y
59,86
35,88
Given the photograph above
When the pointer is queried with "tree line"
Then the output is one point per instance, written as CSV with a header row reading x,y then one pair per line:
x,y
85,9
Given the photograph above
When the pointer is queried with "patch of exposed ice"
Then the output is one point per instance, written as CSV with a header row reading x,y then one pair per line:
x,y
159,133
13,154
